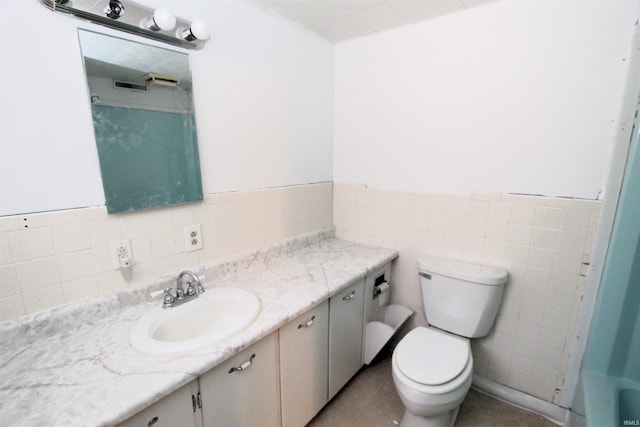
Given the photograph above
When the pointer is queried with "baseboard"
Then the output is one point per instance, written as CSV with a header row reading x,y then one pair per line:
x,y
522,400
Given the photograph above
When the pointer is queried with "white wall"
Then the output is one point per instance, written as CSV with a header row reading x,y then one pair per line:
x,y
263,95
515,96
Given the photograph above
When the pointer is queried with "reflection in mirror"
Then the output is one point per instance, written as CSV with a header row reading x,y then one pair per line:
x,y
144,123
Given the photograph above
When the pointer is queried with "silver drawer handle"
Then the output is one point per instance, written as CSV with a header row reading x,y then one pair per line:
x,y
244,365
352,295
307,323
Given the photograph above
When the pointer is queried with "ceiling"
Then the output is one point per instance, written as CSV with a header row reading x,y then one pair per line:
x,y
338,20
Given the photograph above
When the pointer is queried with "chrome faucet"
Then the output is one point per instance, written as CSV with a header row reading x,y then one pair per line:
x,y
194,288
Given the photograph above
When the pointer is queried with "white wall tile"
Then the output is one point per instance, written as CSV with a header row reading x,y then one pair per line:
x,y
525,348
567,262
532,314
141,250
576,220
519,234
517,199
538,277
48,219
499,212
102,258
517,254
565,283
541,258
548,217
161,222
488,197
11,307
79,289
545,238
6,255
74,265
39,299
554,202
110,281
10,223
31,244
36,274
556,320
9,281
163,245
478,209
104,232
133,225
522,214
71,237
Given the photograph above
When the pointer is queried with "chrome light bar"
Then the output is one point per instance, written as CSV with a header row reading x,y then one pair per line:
x,y
125,15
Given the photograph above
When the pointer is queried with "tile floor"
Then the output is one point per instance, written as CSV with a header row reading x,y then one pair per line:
x,y
370,400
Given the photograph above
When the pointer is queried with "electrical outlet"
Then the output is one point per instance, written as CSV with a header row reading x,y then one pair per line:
x,y
193,238
121,255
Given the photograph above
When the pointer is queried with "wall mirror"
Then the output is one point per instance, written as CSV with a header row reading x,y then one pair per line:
x,y
144,122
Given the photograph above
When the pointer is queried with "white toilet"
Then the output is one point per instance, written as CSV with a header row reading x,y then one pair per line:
x,y
432,367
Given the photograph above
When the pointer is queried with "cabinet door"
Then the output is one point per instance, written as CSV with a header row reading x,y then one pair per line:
x,y
177,409
244,390
304,366
346,323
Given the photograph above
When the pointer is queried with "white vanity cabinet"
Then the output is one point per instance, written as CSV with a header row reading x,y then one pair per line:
x,y
177,409
304,366
346,326
284,379
244,390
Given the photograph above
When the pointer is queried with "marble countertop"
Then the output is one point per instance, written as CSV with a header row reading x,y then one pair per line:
x,y
74,365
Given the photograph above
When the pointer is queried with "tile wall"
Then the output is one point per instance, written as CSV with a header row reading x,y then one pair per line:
x,y
53,258
545,243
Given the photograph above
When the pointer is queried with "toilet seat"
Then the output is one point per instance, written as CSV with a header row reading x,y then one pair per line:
x,y
432,358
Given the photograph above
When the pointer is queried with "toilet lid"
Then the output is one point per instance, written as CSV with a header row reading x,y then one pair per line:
x,y
431,357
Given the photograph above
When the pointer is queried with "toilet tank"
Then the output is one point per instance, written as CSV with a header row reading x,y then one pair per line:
x,y
460,297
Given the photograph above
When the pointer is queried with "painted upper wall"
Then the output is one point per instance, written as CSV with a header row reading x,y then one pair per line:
x,y
515,96
263,96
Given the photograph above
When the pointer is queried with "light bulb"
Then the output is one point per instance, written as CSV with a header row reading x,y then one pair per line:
x,y
198,31
162,19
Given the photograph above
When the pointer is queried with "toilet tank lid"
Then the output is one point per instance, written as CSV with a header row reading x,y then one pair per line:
x,y
463,270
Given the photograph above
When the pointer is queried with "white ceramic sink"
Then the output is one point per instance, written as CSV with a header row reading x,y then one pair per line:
x,y
213,317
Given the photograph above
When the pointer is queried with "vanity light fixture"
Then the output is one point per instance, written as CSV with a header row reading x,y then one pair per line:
x,y
126,15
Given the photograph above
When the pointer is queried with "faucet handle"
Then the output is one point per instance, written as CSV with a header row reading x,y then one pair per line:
x,y
168,298
200,288
190,289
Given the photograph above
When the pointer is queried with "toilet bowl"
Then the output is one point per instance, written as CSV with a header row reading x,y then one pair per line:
x,y
432,372
432,367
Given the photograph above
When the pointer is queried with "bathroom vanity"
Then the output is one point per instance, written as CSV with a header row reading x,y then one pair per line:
x,y
282,380
76,364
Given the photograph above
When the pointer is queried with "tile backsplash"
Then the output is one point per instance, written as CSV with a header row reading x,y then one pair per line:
x,y
544,243
48,259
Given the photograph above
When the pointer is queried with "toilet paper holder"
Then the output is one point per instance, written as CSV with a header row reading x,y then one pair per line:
x,y
382,318
379,282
